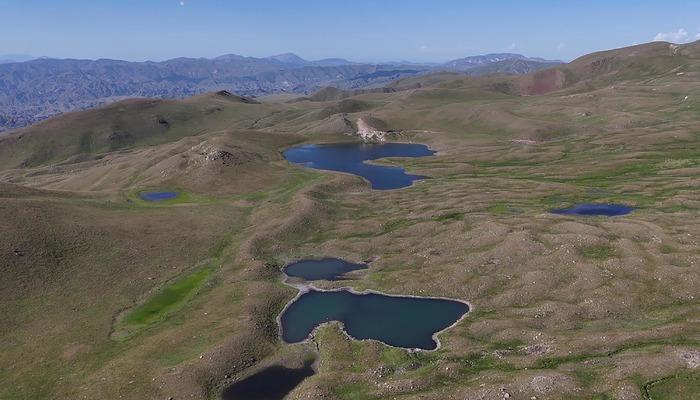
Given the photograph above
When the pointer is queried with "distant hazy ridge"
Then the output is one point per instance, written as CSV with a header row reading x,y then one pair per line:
x,y
37,89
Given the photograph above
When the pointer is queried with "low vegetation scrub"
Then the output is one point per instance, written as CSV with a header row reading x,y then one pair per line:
x,y
598,251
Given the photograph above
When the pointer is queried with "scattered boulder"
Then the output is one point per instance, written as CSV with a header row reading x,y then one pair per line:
x,y
504,393
538,349
691,358
162,122
524,141
223,155
227,156
369,133
543,384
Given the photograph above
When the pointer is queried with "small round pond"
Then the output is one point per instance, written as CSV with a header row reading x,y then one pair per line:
x,y
158,196
330,269
589,209
351,157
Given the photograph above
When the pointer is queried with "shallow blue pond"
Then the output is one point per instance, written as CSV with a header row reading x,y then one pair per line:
x,y
158,196
330,269
408,322
351,157
608,210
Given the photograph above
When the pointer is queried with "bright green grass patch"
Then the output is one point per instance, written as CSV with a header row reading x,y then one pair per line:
x,y
359,235
667,249
588,377
352,391
680,387
401,359
255,196
599,396
283,193
554,362
298,180
603,178
395,224
168,299
675,208
453,216
510,344
477,362
598,251
500,209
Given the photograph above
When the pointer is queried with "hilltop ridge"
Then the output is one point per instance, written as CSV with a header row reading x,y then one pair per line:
x,y
41,88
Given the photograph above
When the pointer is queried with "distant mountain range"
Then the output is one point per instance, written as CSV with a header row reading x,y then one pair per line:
x,y
467,63
10,58
37,89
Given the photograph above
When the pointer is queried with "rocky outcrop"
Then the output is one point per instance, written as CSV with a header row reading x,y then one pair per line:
x,y
369,133
228,156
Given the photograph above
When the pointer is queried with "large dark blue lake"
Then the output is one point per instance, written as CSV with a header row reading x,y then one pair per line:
x,y
408,322
608,210
351,157
330,269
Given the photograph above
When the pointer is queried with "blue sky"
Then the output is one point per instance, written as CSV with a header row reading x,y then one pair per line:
x,y
362,30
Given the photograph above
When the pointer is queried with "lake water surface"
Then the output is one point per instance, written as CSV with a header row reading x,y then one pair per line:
x,y
608,210
330,269
408,322
158,196
272,383
351,157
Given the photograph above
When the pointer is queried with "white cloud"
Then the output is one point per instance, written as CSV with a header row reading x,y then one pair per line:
x,y
512,46
561,46
182,2
679,36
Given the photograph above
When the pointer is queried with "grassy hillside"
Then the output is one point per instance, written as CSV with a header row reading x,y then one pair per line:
x,y
108,296
651,60
124,125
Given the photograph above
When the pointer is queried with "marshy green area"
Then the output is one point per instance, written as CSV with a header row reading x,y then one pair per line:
x,y
183,197
672,387
165,301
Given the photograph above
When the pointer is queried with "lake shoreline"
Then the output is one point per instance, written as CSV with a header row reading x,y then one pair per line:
x,y
303,288
356,158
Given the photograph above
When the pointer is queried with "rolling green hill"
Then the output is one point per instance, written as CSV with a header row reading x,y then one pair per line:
x,y
105,295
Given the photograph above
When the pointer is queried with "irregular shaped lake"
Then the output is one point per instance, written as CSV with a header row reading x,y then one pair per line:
x,y
272,383
408,322
330,269
351,157
158,196
608,210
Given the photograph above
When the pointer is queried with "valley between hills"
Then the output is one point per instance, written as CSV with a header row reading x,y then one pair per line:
x,y
106,294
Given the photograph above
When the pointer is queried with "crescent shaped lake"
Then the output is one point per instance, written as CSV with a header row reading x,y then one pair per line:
x,y
351,158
